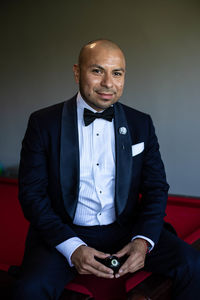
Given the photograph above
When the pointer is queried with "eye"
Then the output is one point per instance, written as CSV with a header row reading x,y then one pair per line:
x,y
97,71
117,74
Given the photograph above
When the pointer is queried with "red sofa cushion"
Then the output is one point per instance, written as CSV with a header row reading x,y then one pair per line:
x,y
184,214
13,225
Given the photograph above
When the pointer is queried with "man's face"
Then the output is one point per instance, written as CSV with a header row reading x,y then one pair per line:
x,y
101,76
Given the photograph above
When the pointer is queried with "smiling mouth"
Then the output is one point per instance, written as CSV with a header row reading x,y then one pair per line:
x,y
105,95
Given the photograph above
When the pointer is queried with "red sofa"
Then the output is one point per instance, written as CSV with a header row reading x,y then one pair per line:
x,y
182,212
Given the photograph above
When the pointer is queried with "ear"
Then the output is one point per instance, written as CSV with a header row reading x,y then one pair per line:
x,y
76,71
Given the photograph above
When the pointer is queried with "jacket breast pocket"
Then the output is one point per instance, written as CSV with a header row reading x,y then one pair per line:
x,y
137,149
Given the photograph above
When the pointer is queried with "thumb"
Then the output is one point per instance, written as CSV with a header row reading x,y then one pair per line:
x,y
122,252
101,254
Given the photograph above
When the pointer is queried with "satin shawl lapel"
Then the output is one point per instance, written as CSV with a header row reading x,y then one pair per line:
x,y
123,159
69,156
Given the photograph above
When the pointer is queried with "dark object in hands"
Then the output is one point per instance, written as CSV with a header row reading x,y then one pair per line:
x,y
112,262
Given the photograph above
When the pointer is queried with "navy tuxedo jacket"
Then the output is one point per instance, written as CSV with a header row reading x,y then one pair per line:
x,y
49,173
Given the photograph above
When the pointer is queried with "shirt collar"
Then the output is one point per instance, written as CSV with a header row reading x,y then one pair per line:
x,y
81,104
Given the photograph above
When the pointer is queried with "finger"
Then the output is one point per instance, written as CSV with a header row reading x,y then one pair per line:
x,y
135,261
101,267
100,270
131,265
100,273
91,261
101,254
126,266
122,252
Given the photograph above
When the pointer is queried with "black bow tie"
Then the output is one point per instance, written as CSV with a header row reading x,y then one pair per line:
x,y
89,116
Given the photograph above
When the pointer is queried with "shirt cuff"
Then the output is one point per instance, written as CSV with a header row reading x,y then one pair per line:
x,y
68,247
146,239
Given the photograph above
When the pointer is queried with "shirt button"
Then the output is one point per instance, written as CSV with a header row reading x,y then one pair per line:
x,y
97,164
100,192
97,134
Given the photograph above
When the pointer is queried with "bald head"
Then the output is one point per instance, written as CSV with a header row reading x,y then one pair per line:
x,y
100,73
100,44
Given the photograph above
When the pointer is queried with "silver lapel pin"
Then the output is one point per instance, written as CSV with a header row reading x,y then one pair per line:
x,y
122,130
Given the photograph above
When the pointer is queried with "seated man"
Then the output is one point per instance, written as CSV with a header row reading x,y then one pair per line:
x,y
84,163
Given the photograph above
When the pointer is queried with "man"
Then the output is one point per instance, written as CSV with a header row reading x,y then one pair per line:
x,y
80,177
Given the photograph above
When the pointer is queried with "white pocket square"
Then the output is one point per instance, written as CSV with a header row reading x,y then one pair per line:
x,y
137,148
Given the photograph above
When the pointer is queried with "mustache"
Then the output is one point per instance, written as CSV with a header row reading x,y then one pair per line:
x,y
105,91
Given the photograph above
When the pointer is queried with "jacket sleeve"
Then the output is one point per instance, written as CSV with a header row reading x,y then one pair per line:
x,y
33,188
154,189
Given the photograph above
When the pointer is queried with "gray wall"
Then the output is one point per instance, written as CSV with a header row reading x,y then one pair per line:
x,y
40,41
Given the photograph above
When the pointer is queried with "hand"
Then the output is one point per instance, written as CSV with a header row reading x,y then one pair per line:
x,y
136,250
84,261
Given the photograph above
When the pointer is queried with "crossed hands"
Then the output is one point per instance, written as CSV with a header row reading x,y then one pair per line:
x,y
84,260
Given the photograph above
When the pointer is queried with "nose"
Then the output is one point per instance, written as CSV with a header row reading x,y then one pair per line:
x,y
107,81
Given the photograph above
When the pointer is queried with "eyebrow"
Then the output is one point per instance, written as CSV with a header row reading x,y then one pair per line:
x,y
101,68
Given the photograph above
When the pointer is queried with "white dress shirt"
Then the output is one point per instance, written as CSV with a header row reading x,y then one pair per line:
x,y
97,170
97,177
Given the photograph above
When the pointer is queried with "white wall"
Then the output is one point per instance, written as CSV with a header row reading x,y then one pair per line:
x,y
40,41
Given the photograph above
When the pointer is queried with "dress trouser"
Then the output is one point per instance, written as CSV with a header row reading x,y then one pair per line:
x,y
45,271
